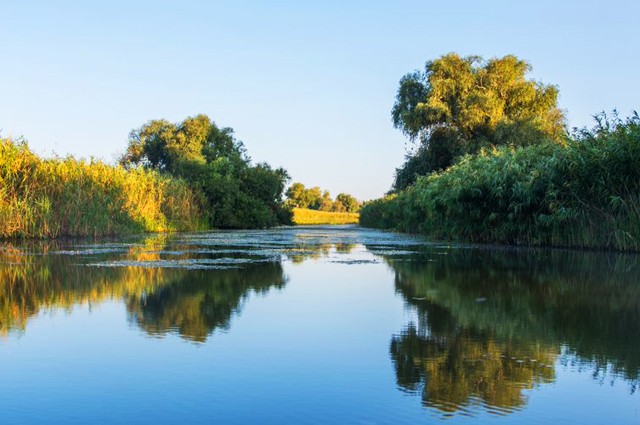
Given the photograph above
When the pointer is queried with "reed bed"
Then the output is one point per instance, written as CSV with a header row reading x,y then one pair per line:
x,y
583,194
304,216
47,198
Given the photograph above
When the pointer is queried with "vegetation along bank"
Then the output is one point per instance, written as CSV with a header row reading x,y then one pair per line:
x,y
173,177
315,206
494,163
67,197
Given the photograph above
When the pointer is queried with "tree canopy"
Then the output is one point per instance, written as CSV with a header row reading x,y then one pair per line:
x,y
238,193
166,146
315,198
459,105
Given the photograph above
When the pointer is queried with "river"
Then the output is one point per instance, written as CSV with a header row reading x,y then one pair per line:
x,y
315,325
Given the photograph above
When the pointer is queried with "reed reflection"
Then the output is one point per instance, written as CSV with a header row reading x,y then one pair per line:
x,y
189,285
178,297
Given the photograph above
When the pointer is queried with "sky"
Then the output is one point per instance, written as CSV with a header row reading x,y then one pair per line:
x,y
307,86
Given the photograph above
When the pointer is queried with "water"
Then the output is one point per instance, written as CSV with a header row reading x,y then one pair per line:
x,y
315,325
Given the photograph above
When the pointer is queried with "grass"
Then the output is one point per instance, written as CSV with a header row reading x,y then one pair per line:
x,y
303,216
48,198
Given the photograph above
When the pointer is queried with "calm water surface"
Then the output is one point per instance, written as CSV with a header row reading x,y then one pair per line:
x,y
323,325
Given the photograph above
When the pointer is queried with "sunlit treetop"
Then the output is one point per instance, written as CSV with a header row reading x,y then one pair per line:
x,y
162,145
475,97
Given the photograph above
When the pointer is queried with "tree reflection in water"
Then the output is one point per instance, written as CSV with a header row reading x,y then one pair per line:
x,y
43,276
200,302
492,323
191,286
459,370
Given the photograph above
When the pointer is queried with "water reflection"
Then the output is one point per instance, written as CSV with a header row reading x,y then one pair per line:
x,y
492,323
197,303
188,284
192,300
486,325
457,371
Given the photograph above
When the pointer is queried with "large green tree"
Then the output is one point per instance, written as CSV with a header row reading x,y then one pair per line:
x,y
301,197
166,146
238,193
459,105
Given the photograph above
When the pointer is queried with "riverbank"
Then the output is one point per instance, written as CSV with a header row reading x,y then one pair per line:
x,y
48,198
581,194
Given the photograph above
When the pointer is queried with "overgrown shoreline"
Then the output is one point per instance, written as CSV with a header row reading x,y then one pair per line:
x,y
495,163
182,176
581,194
50,198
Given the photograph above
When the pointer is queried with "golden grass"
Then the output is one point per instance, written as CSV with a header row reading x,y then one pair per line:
x,y
302,216
46,198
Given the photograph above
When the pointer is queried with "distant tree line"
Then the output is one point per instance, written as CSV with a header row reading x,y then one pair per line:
x,y
239,194
316,199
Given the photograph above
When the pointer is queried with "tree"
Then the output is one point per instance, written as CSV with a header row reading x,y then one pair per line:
x,y
348,202
316,199
327,203
148,146
295,195
238,193
460,105
300,197
313,198
165,146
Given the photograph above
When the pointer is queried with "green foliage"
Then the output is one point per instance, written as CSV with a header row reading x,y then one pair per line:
x,y
165,146
443,147
298,196
381,213
315,199
238,194
347,203
583,194
326,204
461,105
68,197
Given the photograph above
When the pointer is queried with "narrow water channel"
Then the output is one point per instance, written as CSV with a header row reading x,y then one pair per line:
x,y
315,325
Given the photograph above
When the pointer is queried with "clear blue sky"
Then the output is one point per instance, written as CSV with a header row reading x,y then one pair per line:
x,y
306,86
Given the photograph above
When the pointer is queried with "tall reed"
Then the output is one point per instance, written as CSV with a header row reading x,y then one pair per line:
x,y
582,194
68,197
305,216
